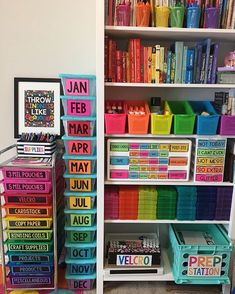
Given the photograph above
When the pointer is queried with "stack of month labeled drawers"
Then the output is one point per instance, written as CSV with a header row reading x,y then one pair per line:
x,y
29,194
79,121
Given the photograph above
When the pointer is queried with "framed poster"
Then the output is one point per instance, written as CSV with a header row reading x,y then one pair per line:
x,y
37,105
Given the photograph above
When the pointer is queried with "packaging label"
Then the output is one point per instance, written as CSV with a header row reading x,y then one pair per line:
x,y
77,87
34,149
204,265
79,166
80,185
80,202
79,147
79,107
134,260
79,128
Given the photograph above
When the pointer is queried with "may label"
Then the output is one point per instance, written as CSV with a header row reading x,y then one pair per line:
x,y
134,260
79,166
204,265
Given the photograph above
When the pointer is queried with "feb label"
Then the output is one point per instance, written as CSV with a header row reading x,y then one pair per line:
x,y
79,107
204,265
134,260
77,87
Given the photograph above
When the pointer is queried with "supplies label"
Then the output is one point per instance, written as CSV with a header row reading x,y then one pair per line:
x,y
28,247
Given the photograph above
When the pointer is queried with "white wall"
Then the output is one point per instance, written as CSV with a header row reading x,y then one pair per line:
x,y
42,38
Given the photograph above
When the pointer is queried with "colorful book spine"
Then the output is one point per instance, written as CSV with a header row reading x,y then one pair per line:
x,y
173,63
168,74
185,51
153,64
179,60
157,65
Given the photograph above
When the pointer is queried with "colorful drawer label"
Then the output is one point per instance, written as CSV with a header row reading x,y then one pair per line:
x,y
81,284
29,223
79,166
27,187
77,87
31,269
27,174
82,269
80,202
210,169
80,236
134,260
204,265
30,258
28,199
31,281
27,211
79,128
79,147
210,152
80,253
30,247
36,149
81,220
29,235
209,178
210,161
80,185
178,161
212,144
79,107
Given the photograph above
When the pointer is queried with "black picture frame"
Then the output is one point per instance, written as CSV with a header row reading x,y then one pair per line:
x,y
52,87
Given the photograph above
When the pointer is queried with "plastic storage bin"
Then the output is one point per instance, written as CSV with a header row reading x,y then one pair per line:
x,y
162,16
80,282
206,203
147,203
81,146
186,203
111,202
205,124
79,106
137,123
80,165
80,234
80,267
223,203
80,251
78,85
227,125
80,183
77,126
161,123
80,218
166,202
184,117
128,202
82,201
115,123
185,257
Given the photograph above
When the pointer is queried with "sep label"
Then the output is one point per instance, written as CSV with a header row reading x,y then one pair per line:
x,y
80,236
134,260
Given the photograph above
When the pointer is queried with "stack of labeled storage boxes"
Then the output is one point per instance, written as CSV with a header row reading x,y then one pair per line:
x,y
28,207
79,122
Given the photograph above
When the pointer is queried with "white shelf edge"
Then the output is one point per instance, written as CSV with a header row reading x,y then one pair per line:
x,y
167,221
188,86
168,136
161,183
167,275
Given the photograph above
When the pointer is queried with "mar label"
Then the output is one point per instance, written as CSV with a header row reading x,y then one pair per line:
x,y
204,265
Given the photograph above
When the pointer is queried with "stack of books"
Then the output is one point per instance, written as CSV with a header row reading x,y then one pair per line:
x,y
226,75
157,64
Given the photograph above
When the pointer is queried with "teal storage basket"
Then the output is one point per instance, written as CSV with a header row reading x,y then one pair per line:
x,y
179,253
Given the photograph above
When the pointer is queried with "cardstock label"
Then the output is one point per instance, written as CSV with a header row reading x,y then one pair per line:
x,y
33,211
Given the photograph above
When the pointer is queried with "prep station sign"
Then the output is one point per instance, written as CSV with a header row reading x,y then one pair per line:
x,y
204,265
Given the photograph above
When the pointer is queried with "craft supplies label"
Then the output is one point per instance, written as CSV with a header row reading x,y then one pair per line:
x,y
28,247
134,260
204,265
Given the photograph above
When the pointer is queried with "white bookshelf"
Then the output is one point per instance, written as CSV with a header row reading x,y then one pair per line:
x,y
140,90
